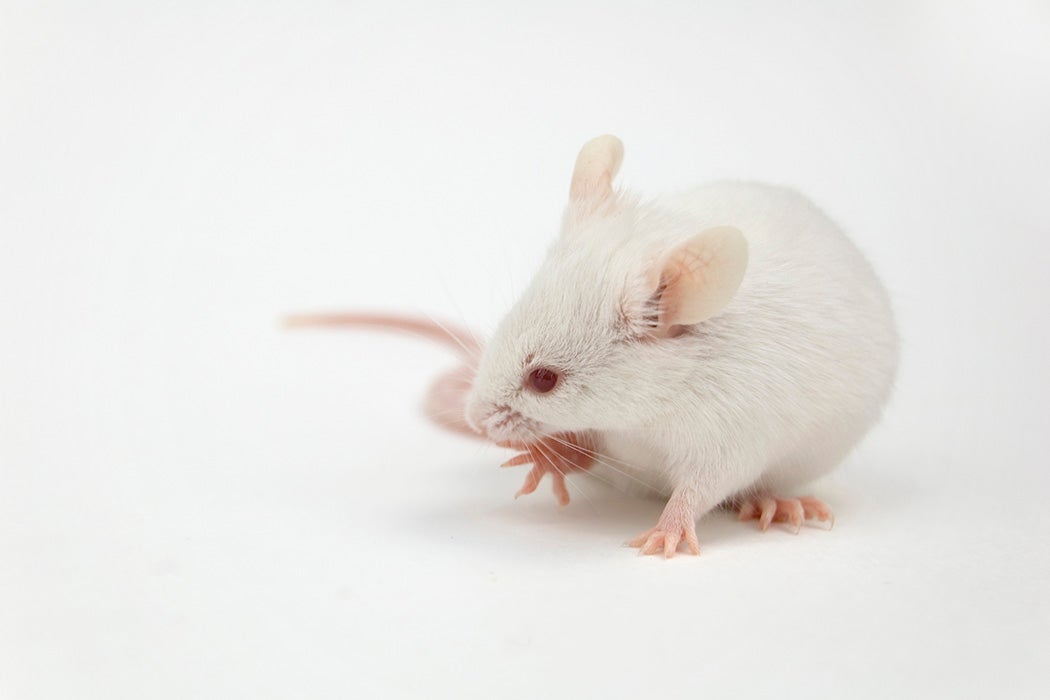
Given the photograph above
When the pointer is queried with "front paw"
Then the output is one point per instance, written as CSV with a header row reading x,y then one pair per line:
x,y
556,455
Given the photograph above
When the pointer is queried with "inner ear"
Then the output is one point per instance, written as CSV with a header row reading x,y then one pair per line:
x,y
695,281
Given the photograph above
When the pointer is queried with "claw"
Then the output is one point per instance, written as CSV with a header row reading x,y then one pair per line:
x,y
794,513
640,539
652,545
561,494
523,458
768,506
671,541
692,542
815,508
532,480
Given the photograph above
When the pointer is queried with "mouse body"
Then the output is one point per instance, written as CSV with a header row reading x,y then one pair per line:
x,y
727,344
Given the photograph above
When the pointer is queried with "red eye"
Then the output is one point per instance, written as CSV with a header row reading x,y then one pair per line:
x,y
542,380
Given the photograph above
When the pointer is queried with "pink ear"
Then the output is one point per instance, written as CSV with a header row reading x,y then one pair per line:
x,y
696,280
596,166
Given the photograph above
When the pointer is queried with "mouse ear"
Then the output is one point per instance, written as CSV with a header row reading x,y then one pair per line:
x,y
695,281
596,166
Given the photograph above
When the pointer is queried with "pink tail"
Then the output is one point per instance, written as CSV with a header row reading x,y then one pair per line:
x,y
458,338
446,400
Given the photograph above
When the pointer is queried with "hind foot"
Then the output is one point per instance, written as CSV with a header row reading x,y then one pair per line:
x,y
768,509
677,524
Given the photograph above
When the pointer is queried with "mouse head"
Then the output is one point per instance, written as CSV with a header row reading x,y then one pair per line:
x,y
599,340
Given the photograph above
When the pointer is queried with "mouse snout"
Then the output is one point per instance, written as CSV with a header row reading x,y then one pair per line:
x,y
498,421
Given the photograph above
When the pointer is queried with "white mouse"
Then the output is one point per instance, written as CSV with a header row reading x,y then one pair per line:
x,y
725,345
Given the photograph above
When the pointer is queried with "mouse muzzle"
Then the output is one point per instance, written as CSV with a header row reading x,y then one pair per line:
x,y
501,423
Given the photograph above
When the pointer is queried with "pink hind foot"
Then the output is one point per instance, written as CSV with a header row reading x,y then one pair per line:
x,y
768,509
677,525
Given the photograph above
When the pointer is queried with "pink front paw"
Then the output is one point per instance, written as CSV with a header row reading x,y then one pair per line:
x,y
675,526
556,455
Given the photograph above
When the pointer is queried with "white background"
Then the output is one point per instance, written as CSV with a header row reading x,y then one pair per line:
x,y
195,503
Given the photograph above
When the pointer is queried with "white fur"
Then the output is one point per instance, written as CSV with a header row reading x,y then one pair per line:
x,y
770,393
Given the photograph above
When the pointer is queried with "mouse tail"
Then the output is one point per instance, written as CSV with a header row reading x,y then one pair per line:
x,y
458,338
446,400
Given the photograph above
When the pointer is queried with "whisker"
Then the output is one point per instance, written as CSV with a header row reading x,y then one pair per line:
x,y
472,353
597,457
462,316
447,412
603,479
593,453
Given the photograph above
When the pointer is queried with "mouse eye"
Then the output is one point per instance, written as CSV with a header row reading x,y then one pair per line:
x,y
541,380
